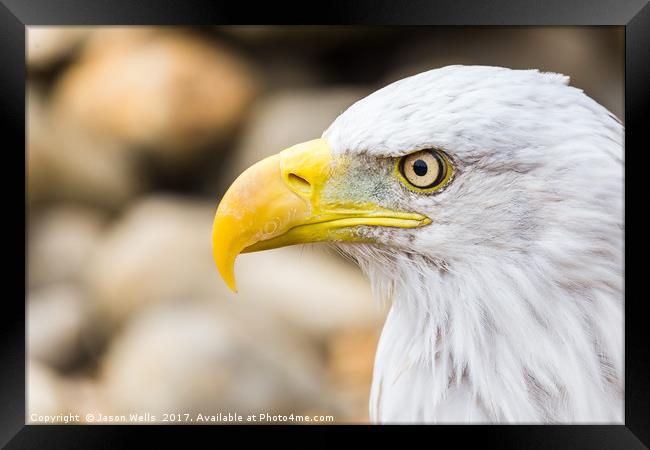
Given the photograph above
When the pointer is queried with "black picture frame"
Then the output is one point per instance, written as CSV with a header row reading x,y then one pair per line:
x,y
634,15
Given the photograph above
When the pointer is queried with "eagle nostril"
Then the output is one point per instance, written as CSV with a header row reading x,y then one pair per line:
x,y
299,183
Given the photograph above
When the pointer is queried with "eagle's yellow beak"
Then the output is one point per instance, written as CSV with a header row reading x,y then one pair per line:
x,y
280,201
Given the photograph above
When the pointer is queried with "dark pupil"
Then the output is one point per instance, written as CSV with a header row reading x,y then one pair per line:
x,y
420,168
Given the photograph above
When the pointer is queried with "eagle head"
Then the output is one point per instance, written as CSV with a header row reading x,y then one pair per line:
x,y
486,204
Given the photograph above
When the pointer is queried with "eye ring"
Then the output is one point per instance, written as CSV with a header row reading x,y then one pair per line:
x,y
424,171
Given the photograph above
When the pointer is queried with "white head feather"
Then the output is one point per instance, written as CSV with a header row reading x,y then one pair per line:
x,y
509,306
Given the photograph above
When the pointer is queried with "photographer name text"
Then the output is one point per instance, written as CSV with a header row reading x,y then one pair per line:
x,y
198,418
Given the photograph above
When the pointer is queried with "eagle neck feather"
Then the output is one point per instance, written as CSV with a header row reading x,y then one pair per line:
x,y
483,343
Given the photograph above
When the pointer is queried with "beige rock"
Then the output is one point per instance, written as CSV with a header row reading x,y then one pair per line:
x,y
167,92
85,395
52,394
45,391
60,241
47,45
351,356
350,362
56,317
197,358
64,162
289,117
160,251
308,286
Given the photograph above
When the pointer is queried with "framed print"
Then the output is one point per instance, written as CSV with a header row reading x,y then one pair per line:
x,y
383,214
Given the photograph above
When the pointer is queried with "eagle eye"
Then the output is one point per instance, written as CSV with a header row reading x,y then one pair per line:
x,y
425,170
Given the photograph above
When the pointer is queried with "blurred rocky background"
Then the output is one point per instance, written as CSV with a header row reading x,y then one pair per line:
x,y
134,134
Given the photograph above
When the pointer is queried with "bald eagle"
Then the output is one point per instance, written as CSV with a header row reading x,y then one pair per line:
x,y
486,204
